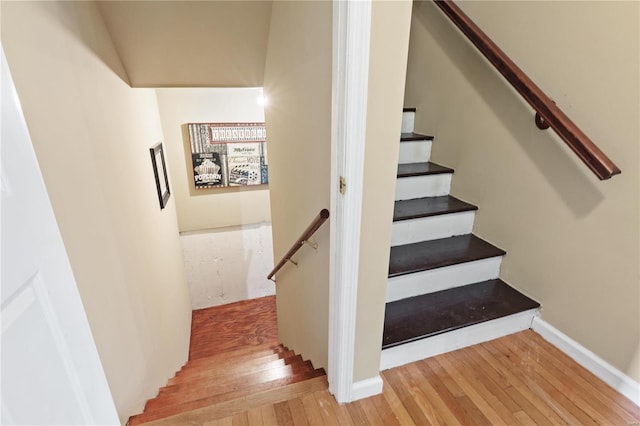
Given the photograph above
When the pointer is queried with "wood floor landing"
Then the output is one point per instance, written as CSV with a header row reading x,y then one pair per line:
x,y
515,380
234,326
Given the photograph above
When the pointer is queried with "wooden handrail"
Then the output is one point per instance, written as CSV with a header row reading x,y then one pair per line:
x,y
304,239
580,143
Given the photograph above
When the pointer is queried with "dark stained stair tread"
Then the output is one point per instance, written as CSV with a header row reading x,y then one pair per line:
x,y
425,255
408,110
406,137
429,206
421,169
431,314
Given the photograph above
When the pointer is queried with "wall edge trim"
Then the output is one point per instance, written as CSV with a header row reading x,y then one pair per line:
x,y
351,38
366,388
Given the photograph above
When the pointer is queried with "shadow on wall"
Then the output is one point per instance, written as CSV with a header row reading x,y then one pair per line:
x,y
83,30
547,151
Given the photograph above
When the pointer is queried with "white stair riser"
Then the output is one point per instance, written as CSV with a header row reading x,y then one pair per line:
x,y
414,152
408,120
408,188
453,340
431,228
433,280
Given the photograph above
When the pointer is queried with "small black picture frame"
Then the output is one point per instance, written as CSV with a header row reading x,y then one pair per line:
x,y
160,173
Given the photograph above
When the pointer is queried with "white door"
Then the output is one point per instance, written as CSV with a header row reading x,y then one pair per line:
x,y
50,369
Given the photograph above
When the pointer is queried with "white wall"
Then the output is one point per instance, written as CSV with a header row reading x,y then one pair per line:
x,y
298,83
390,22
226,232
215,207
226,265
572,241
40,298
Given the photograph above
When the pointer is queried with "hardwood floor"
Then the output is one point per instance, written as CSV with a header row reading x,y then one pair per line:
x,y
234,326
515,380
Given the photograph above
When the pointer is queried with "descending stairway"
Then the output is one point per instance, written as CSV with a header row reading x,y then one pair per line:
x,y
215,384
443,290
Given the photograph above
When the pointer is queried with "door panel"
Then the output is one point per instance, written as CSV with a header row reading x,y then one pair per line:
x,y
51,371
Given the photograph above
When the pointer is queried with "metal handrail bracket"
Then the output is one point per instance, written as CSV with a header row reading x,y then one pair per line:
x,y
304,239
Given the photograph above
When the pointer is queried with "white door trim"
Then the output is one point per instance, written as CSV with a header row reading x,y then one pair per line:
x,y
351,36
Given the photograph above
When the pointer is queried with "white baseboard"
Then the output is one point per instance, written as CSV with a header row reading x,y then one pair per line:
x,y
592,362
457,339
366,388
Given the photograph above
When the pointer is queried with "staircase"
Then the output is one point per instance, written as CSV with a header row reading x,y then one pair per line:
x,y
443,289
217,383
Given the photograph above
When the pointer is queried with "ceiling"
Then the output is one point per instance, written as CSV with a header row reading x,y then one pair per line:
x,y
190,43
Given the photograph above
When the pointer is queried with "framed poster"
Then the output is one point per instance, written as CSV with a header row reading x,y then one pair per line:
x,y
228,154
160,174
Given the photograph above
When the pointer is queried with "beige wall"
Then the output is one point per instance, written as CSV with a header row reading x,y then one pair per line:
x,y
219,207
190,43
572,241
298,84
92,134
390,22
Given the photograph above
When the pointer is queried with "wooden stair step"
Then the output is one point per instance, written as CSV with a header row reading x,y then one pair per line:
x,y
426,255
227,359
408,110
222,388
427,315
211,346
210,385
407,137
214,362
430,206
256,351
221,371
230,407
238,351
242,394
422,169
